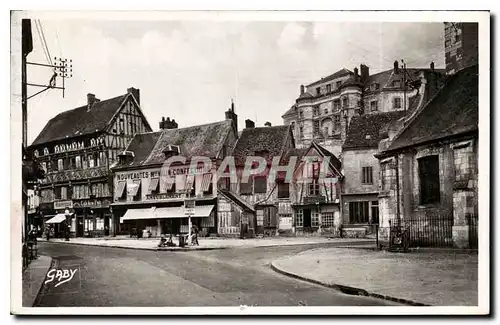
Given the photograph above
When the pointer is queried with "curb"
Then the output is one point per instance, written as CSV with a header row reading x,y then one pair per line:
x,y
139,248
36,297
347,289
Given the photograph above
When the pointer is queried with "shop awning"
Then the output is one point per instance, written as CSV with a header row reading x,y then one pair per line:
x,y
138,214
120,189
200,211
58,218
205,183
153,185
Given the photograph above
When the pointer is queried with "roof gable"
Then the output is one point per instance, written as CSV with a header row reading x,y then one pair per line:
x,y
80,121
452,111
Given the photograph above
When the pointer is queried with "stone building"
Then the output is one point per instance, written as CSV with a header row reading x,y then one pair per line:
x,y
428,173
460,45
145,199
76,149
324,109
360,213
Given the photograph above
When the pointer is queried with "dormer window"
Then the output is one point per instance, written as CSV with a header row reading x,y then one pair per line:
x,y
45,151
125,157
396,83
171,150
374,86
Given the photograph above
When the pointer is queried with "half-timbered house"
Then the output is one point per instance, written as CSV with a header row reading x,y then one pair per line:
x,y
76,149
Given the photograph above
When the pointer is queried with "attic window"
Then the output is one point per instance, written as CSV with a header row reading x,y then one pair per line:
x,y
171,150
374,86
396,83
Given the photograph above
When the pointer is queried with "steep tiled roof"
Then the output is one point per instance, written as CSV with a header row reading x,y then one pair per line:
x,y
80,121
141,145
365,130
454,110
340,73
333,159
199,140
291,111
267,140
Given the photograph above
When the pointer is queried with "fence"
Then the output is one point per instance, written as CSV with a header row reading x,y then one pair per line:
x,y
472,222
433,230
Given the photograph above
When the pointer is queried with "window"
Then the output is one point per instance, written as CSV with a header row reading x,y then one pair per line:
x,y
326,131
316,128
374,105
90,161
102,158
326,110
260,184
374,219
374,86
358,212
345,102
78,162
316,110
428,172
283,190
60,165
301,114
328,88
318,91
397,102
45,151
64,192
327,219
338,83
336,104
299,218
336,123
314,219
396,83
367,177
301,132
44,166
314,187
246,188
72,162
270,217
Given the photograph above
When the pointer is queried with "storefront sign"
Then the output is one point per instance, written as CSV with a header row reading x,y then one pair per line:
x,y
63,204
314,199
181,170
137,175
163,196
92,204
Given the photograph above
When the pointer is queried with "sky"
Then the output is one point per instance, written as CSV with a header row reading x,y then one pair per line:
x,y
190,70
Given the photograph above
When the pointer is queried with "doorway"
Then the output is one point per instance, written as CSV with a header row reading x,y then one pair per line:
x,y
307,218
79,227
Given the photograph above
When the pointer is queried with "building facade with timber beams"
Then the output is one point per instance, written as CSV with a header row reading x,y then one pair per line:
x,y
76,149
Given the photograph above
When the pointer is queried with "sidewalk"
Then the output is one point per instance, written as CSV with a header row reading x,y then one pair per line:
x,y
427,278
206,243
33,278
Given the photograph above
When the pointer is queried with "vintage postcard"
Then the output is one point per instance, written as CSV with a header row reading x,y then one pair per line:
x,y
265,162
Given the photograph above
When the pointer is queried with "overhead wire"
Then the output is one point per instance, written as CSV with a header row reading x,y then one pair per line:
x,y
41,42
45,41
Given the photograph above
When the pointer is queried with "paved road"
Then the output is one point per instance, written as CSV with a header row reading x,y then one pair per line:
x,y
120,277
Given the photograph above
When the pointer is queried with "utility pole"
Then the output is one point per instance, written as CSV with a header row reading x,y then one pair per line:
x,y
404,84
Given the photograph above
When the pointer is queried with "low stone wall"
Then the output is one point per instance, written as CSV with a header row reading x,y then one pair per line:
x,y
353,232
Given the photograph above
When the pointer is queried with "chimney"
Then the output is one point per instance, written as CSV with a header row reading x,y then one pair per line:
x,y
396,67
168,124
365,72
356,74
136,93
267,124
91,100
432,66
249,124
301,89
231,115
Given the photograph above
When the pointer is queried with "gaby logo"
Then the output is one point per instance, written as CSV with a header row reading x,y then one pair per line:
x,y
60,276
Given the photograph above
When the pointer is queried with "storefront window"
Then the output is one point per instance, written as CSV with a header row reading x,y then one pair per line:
x,y
314,219
299,218
327,219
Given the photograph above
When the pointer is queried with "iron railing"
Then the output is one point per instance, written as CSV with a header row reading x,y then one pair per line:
x,y
431,230
472,223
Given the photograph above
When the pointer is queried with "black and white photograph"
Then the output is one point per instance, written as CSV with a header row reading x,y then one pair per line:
x,y
250,162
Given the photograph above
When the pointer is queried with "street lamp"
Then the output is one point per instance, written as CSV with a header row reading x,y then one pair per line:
x,y
66,232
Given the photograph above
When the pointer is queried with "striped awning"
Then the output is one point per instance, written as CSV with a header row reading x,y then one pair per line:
x,y
120,189
206,181
200,211
153,185
134,189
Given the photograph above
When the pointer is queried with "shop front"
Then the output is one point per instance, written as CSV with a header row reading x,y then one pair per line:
x,y
92,217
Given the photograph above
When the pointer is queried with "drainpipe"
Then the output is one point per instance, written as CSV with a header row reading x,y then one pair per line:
x,y
397,191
